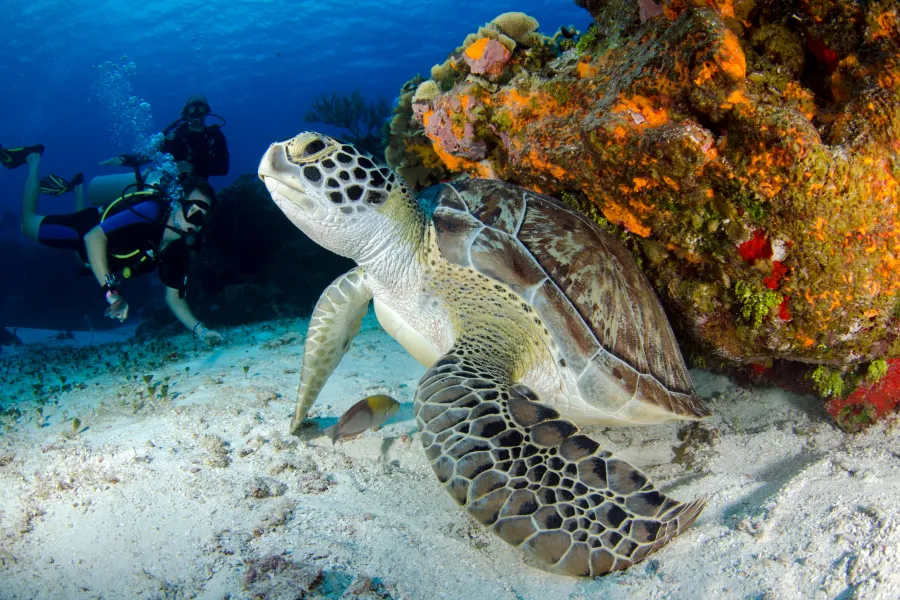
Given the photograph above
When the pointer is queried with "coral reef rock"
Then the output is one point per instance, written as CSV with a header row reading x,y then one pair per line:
x,y
746,151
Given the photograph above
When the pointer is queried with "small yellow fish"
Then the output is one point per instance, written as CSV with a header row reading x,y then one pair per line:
x,y
368,413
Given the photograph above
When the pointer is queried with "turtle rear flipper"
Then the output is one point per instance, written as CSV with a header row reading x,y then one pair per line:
x,y
532,478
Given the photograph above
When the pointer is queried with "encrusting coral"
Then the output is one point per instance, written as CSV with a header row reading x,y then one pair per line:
x,y
409,152
745,150
487,57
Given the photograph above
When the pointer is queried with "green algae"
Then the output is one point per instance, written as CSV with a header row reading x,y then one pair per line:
x,y
755,208
877,370
827,382
589,39
503,121
755,302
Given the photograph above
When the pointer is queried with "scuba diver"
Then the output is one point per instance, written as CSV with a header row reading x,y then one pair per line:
x,y
142,230
198,150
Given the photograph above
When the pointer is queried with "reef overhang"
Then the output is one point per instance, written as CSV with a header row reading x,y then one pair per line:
x,y
747,152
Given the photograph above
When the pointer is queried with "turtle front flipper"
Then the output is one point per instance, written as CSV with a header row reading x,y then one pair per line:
x,y
334,323
532,478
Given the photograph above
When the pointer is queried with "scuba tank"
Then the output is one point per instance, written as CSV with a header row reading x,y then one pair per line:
x,y
134,194
127,201
143,189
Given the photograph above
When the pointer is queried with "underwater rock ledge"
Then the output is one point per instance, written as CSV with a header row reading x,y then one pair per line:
x,y
746,151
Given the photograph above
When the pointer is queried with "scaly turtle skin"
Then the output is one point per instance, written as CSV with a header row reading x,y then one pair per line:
x,y
530,320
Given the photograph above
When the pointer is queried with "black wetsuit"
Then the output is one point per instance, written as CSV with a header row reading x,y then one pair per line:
x,y
206,150
132,240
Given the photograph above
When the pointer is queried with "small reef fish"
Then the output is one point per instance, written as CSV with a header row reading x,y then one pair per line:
x,y
368,413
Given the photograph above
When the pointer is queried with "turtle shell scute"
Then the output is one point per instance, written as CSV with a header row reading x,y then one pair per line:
x,y
587,289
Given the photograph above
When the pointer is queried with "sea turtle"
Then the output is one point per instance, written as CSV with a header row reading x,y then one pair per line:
x,y
530,319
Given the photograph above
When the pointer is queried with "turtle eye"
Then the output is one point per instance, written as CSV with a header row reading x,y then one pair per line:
x,y
313,147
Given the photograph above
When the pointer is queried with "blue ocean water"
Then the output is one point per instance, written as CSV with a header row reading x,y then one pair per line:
x,y
89,78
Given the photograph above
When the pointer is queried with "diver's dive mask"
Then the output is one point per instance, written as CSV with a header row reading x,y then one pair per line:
x,y
195,114
197,217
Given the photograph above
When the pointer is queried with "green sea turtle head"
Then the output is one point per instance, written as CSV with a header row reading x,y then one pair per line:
x,y
339,196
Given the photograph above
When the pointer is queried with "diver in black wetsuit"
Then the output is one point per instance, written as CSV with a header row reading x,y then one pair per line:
x,y
142,231
198,149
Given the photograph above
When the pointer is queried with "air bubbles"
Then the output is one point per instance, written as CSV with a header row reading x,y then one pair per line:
x,y
131,120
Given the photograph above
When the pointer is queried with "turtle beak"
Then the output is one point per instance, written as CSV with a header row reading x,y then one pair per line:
x,y
285,186
274,163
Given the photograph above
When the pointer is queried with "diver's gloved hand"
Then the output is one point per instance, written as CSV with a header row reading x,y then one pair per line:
x,y
208,336
115,161
213,338
124,160
118,308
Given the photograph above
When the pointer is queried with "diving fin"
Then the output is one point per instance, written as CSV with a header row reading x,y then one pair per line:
x,y
15,157
54,185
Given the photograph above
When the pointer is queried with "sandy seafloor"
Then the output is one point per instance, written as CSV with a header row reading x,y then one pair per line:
x,y
204,495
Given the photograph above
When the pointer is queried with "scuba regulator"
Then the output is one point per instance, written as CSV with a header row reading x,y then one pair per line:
x,y
193,115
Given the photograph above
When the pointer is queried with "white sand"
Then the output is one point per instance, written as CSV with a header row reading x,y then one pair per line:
x,y
205,495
